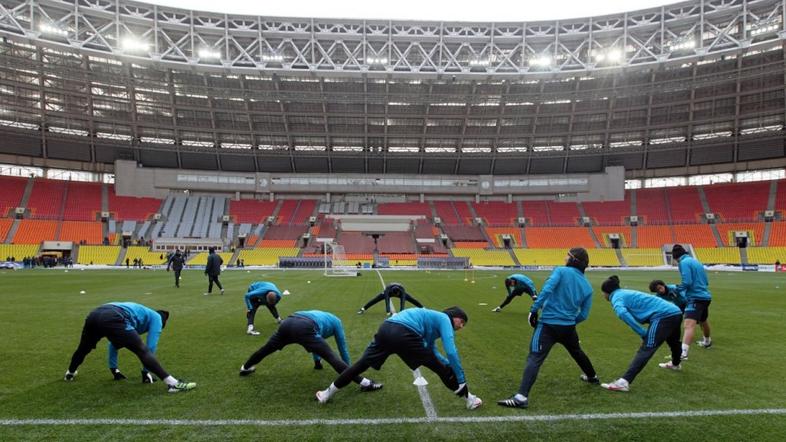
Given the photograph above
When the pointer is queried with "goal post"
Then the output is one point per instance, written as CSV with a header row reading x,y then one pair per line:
x,y
336,262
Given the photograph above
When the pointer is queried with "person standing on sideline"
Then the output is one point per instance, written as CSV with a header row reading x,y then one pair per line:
x,y
410,335
261,293
213,269
516,285
636,308
122,323
310,329
176,263
694,285
566,299
394,290
668,292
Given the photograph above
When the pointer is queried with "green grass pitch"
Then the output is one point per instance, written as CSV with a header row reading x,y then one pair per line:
x,y
42,312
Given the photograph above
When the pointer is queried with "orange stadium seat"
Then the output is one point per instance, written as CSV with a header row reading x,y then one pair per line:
x,y
700,235
755,233
602,233
654,236
33,231
495,233
5,225
558,237
77,231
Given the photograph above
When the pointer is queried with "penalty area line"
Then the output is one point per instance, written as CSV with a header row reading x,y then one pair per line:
x,y
414,420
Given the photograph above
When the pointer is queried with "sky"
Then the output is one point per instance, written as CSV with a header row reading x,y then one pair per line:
x,y
431,10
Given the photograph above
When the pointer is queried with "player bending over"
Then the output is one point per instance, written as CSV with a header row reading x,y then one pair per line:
x,y
636,308
261,293
411,334
122,323
516,285
310,329
668,292
394,290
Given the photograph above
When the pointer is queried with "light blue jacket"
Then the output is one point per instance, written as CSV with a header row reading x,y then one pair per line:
x,y
694,280
566,297
432,325
140,319
636,308
328,325
259,289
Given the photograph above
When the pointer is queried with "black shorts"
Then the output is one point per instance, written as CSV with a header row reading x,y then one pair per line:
x,y
109,322
393,338
698,310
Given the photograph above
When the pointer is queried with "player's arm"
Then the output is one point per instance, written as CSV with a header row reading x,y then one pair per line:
x,y
686,276
341,343
273,310
627,318
449,345
112,357
548,289
585,308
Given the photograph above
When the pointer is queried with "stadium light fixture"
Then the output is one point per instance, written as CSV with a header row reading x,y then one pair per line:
x,y
51,29
208,54
764,27
376,60
272,58
682,43
133,44
541,61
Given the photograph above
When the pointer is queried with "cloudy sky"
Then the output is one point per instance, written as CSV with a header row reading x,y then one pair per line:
x,y
455,10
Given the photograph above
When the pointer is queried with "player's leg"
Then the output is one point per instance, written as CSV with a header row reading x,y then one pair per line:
x,y
569,338
218,284
688,332
91,334
130,339
177,278
675,345
705,325
210,283
658,332
250,315
543,339
277,341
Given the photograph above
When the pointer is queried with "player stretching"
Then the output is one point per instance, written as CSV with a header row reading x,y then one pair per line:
x,y
668,292
694,285
566,299
310,329
261,293
635,308
394,290
122,323
516,285
410,335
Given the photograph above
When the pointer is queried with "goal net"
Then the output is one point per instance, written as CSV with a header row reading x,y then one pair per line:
x,y
336,262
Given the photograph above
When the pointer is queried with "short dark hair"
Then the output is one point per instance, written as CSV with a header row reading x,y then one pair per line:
x,y
678,251
164,317
579,258
611,284
456,312
211,250
655,283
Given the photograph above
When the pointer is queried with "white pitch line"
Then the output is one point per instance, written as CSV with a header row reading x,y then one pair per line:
x,y
412,420
425,397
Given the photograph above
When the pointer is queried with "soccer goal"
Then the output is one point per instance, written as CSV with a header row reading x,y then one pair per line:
x,y
336,262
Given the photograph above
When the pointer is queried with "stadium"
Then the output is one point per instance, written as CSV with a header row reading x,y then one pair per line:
x,y
442,155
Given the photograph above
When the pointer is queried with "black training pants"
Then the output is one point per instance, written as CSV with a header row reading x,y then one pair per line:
x,y
212,279
666,329
109,322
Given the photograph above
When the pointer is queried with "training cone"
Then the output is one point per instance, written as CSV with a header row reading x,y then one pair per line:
x,y
420,381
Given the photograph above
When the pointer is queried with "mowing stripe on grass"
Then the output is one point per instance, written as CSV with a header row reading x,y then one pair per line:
x,y
412,420
425,398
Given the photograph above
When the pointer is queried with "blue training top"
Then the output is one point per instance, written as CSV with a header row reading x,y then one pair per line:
x,y
635,308
140,319
259,289
522,280
432,325
674,296
566,297
328,325
694,280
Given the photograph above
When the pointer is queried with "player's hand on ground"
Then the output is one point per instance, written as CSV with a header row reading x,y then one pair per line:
x,y
117,375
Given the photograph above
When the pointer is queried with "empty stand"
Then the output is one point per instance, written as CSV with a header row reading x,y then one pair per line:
x,y
463,211
780,197
553,237
481,257
132,208
147,256
18,251
34,231
536,212
5,226
738,202
404,209
103,255
396,242
651,206
461,232
603,232
608,213
11,195
266,256
78,231
700,235
603,258
497,213
643,257
684,204
718,255
541,257
251,211
778,234
83,202
201,258
447,212
496,233
563,214
286,211
755,233
654,236
291,233
356,243
46,200
303,211
761,255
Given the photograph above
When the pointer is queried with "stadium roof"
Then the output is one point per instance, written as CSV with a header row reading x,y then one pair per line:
x,y
457,10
